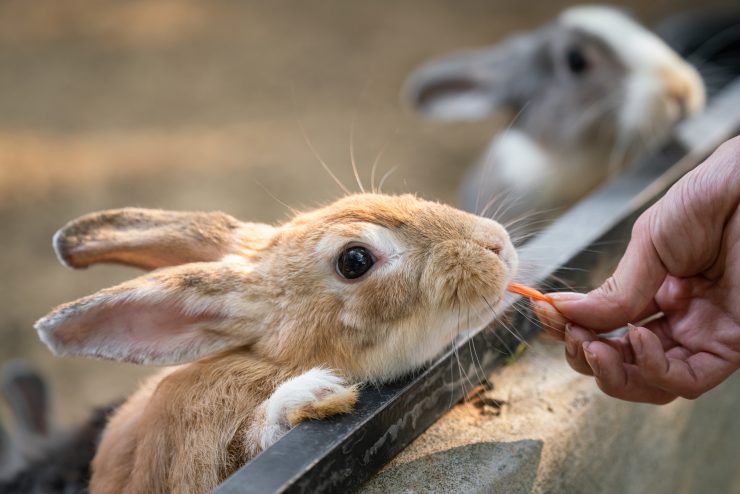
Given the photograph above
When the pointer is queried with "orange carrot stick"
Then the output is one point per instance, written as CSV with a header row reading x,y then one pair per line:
x,y
526,291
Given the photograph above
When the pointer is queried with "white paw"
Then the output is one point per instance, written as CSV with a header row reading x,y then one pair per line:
x,y
316,394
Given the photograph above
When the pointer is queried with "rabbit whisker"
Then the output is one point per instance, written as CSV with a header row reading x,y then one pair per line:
x,y
501,197
274,197
463,372
376,161
481,376
711,42
352,154
493,311
385,177
538,354
595,111
318,157
490,151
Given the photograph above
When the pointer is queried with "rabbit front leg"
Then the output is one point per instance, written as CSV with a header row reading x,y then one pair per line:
x,y
316,394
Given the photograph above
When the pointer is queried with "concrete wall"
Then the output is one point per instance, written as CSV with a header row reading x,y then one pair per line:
x,y
557,433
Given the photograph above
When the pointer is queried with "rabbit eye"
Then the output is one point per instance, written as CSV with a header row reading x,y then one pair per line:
x,y
354,261
577,62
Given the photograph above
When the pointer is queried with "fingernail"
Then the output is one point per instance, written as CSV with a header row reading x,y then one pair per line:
x,y
566,296
591,358
635,338
539,306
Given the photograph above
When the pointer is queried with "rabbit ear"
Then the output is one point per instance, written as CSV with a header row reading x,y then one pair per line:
x,y
472,85
149,238
5,450
28,397
169,316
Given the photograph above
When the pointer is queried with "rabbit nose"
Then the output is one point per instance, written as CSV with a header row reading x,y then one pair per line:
x,y
678,93
681,104
683,89
681,100
494,247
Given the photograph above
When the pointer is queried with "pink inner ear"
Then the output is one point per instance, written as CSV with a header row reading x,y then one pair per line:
x,y
141,332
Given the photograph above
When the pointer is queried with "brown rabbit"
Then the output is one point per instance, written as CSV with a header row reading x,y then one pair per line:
x,y
278,324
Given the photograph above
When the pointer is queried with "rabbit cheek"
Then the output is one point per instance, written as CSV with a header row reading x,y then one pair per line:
x,y
381,299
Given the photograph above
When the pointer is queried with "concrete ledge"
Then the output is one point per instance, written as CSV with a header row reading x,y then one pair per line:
x,y
557,433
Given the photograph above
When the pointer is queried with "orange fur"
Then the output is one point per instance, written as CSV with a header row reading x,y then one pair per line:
x,y
183,430
149,238
325,407
266,307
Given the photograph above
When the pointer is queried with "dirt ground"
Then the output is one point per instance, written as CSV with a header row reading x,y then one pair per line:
x,y
192,105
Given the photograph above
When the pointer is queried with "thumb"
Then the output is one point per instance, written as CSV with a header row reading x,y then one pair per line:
x,y
628,295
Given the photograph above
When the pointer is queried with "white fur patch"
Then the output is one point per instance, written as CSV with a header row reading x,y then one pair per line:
x,y
296,393
467,105
235,258
519,159
641,91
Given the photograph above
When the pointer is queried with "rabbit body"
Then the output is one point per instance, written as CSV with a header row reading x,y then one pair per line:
x,y
270,325
188,428
522,177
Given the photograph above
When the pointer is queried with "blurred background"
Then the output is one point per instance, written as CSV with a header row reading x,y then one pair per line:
x,y
189,105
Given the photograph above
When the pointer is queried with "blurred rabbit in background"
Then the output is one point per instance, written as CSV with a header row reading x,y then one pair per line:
x,y
588,91
27,396
36,457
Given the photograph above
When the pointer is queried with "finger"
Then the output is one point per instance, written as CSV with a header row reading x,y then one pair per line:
x,y
620,380
662,329
575,337
627,296
680,373
679,353
553,322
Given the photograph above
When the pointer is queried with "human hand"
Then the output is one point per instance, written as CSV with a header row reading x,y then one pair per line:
x,y
683,260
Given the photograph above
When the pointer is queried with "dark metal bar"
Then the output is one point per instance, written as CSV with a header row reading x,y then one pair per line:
x,y
337,455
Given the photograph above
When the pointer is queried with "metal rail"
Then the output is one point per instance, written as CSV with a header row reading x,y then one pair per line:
x,y
337,455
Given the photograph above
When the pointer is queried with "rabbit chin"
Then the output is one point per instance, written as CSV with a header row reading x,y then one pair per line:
x,y
416,341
